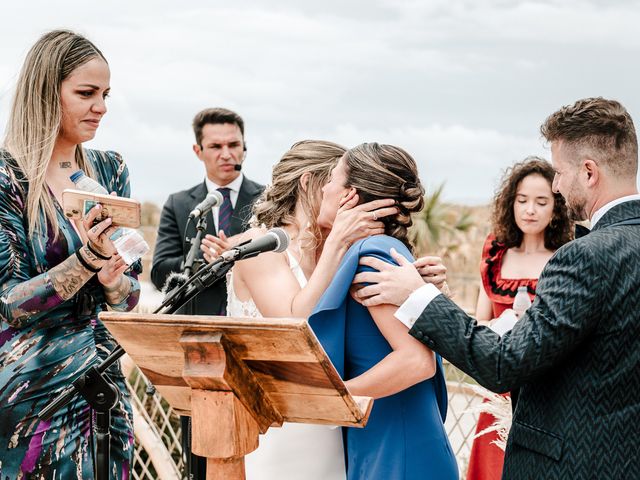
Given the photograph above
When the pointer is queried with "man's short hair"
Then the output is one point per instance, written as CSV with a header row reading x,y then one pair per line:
x,y
599,128
215,115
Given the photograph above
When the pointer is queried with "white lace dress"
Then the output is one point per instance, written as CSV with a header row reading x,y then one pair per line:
x,y
295,450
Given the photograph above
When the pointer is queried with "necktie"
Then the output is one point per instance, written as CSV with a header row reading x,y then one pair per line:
x,y
581,231
225,211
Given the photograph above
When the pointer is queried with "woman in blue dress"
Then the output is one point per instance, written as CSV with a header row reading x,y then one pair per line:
x,y
405,436
57,274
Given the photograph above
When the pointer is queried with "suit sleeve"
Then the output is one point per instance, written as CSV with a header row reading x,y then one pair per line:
x,y
168,253
566,311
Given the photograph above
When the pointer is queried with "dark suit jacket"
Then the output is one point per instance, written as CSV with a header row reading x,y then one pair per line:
x,y
575,355
170,245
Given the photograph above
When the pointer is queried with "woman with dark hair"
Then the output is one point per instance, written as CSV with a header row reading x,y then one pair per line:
x,y
57,274
529,223
370,349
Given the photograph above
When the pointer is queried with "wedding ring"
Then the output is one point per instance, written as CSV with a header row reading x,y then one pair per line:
x,y
375,216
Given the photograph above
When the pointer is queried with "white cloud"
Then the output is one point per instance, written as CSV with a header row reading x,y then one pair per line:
x,y
461,85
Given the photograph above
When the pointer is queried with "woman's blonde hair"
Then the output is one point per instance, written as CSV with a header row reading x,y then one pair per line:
x,y
36,114
277,204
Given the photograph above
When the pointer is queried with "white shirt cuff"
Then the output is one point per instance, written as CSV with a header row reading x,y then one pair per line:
x,y
413,306
504,322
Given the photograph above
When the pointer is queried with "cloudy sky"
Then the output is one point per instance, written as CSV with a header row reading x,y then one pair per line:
x,y
462,85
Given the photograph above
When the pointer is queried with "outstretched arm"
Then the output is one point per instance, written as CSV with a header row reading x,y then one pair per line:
x,y
283,297
564,312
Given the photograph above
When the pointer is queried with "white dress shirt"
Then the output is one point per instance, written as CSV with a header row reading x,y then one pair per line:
x,y
598,214
234,190
420,299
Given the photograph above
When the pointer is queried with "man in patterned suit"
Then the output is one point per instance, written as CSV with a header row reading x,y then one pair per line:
x,y
220,145
575,354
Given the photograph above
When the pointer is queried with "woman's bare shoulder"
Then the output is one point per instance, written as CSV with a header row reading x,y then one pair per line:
x,y
250,234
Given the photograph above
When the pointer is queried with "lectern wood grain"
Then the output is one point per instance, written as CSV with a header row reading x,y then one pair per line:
x,y
210,364
236,377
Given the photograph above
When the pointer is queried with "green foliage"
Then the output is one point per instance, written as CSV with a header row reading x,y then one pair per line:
x,y
440,227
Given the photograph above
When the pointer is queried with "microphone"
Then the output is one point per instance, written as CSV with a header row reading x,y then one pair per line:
x,y
214,199
237,167
174,280
275,240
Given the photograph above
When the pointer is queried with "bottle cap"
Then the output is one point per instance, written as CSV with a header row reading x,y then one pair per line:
x,y
75,176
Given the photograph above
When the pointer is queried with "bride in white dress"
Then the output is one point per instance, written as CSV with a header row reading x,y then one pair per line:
x,y
295,450
289,284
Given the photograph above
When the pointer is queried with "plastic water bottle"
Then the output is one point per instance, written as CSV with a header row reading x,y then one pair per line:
x,y
86,183
521,302
129,244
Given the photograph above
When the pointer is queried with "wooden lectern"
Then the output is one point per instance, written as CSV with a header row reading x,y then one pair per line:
x,y
236,377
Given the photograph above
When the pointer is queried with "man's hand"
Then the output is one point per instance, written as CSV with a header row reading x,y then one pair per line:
x,y
432,270
212,246
391,284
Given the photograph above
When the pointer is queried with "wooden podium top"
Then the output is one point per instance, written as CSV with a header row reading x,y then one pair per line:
x,y
282,354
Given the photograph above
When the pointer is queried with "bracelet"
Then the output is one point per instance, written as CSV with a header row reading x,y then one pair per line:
x,y
96,253
86,264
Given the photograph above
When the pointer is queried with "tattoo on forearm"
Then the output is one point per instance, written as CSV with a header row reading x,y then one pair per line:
x,y
68,277
119,293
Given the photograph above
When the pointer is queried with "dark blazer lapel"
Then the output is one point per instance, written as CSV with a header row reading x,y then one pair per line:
x,y
621,212
242,210
197,194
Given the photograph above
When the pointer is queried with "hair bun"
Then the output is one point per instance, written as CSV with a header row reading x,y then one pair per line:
x,y
411,197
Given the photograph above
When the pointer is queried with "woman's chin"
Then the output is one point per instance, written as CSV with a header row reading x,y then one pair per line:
x,y
533,229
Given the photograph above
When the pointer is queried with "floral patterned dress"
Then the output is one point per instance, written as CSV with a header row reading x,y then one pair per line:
x,y
485,462
45,342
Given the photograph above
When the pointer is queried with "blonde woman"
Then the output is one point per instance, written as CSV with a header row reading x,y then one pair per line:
x,y
57,274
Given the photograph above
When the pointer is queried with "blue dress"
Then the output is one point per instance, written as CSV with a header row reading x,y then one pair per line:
x,y
405,436
45,342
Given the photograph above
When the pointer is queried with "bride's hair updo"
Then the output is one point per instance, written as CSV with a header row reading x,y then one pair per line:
x,y
384,171
276,206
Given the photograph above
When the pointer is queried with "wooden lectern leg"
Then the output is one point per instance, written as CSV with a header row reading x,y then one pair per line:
x,y
229,409
223,431
225,468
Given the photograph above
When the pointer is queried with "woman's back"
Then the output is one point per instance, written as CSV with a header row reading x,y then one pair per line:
x,y
402,424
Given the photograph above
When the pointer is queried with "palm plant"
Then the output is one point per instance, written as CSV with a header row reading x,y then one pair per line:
x,y
439,228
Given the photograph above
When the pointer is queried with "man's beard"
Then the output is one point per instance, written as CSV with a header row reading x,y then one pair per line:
x,y
577,213
577,206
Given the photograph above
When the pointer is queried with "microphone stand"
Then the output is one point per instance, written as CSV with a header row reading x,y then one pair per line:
x,y
201,226
100,393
